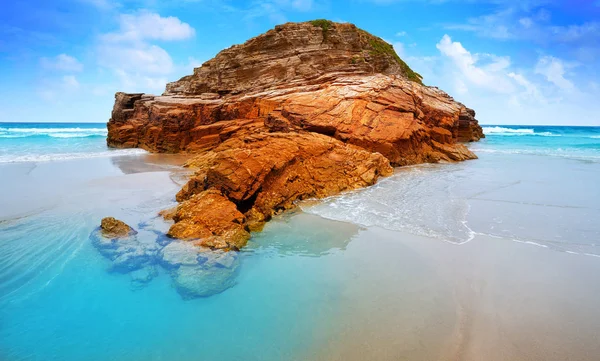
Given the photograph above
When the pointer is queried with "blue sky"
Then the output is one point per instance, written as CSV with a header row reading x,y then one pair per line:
x,y
514,62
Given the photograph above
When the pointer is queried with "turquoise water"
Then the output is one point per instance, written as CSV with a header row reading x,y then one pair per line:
x,y
343,278
36,142
569,142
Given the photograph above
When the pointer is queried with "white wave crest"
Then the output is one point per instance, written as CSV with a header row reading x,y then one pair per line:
x,y
7,132
591,156
502,130
512,131
68,156
54,130
74,135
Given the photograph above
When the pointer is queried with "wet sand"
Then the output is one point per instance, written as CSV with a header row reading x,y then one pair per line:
x,y
412,298
29,188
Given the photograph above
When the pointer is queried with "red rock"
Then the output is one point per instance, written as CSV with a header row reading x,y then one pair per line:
x,y
211,220
265,173
304,110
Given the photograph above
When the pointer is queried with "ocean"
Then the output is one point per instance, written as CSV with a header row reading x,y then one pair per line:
x,y
38,142
496,258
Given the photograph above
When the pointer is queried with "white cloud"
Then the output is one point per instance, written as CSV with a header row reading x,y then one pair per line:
x,y
553,70
526,22
62,62
133,82
531,89
149,26
142,58
401,33
576,32
130,55
489,77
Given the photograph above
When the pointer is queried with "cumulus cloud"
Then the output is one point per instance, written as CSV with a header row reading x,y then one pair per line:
x,y
553,69
143,58
62,62
150,26
131,55
488,76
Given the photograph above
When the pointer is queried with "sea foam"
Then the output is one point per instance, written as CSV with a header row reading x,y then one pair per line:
x,y
514,131
68,156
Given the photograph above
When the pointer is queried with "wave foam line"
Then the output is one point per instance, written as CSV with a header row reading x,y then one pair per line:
x,y
68,156
491,130
53,130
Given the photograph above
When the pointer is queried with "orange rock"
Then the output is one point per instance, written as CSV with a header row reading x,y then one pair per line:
x,y
113,228
210,219
304,110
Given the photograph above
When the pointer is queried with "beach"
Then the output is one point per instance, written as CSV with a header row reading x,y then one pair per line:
x,y
495,259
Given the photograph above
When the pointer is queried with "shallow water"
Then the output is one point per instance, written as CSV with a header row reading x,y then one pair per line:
x,y
490,259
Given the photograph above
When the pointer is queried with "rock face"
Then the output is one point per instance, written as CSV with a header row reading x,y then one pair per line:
x,y
304,110
264,173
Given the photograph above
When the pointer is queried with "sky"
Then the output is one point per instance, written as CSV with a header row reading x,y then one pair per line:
x,y
513,61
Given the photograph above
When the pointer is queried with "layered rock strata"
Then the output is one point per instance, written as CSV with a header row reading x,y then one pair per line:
x,y
304,110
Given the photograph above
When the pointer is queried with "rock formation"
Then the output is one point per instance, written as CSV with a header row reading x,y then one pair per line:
x,y
304,110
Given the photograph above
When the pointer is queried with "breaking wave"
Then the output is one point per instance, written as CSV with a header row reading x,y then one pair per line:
x,y
68,156
516,131
77,132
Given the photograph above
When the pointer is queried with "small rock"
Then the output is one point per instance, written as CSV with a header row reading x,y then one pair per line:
x,y
113,228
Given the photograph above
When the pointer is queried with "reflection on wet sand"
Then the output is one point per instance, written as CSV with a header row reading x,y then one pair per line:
x,y
302,234
149,162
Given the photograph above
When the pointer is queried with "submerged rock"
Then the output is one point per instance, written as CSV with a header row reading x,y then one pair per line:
x,y
126,253
141,277
215,274
305,110
196,272
113,228
176,254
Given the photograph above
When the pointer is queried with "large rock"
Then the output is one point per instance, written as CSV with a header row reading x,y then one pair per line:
x,y
304,110
264,173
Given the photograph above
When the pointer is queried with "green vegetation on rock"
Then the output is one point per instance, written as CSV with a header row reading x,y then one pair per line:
x,y
377,47
380,47
322,23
